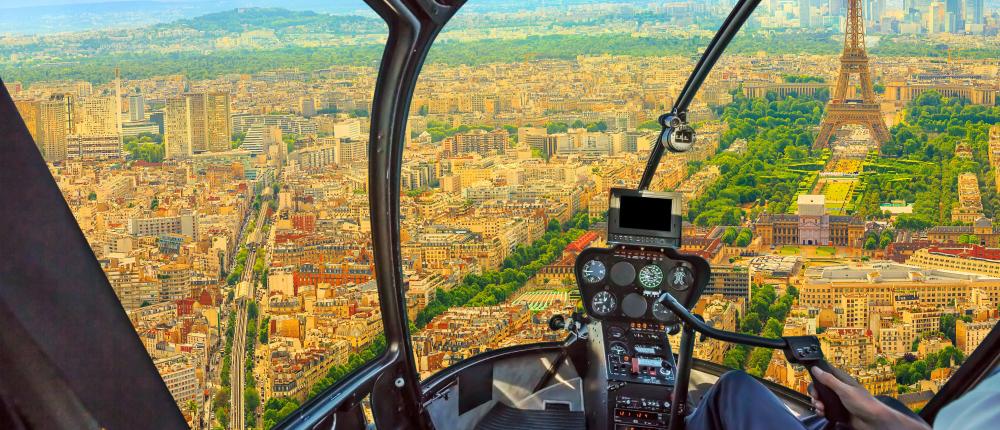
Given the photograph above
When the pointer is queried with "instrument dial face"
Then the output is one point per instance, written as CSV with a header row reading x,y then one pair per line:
x,y
618,349
616,332
622,273
662,313
680,278
634,305
650,277
603,303
593,271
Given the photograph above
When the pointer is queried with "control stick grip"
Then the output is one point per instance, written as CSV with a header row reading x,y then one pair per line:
x,y
806,350
833,409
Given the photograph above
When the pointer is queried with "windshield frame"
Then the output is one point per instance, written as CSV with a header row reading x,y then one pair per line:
x,y
391,377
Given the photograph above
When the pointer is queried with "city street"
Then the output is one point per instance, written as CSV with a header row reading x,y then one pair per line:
x,y
245,292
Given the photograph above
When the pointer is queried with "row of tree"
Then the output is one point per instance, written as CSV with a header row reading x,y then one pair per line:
x,y
765,316
738,237
909,370
778,135
251,397
926,164
487,288
880,240
146,147
495,286
220,404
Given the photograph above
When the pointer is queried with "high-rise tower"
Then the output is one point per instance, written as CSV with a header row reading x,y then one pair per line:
x,y
195,123
840,110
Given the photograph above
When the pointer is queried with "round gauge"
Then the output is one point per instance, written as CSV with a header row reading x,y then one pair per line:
x,y
634,305
662,313
616,332
618,349
623,273
603,303
650,277
593,271
680,278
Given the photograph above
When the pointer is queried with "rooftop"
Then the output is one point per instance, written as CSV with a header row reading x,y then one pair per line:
x,y
974,252
886,272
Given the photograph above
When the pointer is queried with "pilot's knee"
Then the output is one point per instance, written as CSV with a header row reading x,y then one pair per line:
x,y
735,379
735,375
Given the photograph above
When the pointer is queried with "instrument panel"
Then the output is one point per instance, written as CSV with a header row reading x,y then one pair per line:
x,y
623,283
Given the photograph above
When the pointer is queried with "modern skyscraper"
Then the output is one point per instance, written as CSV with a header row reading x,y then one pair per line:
x,y
805,9
196,123
95,116
873,12
96,129
974,13
936,17
218,130
177,127
836,7
56,123
955,13
136,107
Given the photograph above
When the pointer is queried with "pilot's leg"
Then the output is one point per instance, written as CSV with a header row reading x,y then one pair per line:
x,y
738,401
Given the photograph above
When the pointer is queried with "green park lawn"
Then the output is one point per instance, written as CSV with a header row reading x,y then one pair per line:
x,y
789,250
826,251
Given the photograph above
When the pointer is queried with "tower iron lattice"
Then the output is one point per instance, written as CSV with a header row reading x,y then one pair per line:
x,y
842,111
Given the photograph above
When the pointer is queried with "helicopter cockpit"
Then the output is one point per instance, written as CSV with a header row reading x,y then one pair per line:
x,y
314,299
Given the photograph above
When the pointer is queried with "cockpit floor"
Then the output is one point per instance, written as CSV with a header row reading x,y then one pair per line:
x,y
503,417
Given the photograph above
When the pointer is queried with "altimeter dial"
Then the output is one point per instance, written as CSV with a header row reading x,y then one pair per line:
x,y
603,303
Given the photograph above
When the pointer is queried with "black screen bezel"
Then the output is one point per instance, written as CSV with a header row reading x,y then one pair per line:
x,y
614,214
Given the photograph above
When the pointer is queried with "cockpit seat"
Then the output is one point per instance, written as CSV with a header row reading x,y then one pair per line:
x,y
503,417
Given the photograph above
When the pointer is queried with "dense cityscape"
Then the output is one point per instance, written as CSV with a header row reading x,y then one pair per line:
x,y
227,198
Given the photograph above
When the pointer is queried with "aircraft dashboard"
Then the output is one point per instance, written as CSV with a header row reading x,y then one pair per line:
x,y
620,285
623,283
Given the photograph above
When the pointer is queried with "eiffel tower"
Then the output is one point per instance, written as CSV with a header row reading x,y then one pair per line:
x,y
840,110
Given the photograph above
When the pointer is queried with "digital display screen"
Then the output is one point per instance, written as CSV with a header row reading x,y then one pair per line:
x,y
645,213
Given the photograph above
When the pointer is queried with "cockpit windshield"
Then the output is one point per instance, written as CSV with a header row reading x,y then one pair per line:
x,y
843,181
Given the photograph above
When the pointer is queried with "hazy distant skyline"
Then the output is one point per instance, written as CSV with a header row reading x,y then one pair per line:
x,y
39,17
223,3
56,16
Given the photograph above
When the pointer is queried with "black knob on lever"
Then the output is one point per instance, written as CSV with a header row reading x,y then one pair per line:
x,y
805,350
557,322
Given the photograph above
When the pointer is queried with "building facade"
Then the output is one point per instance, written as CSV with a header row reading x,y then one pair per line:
x,y
811,226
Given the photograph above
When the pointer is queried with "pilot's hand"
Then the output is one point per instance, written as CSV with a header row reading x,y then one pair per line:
x,y
867,413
